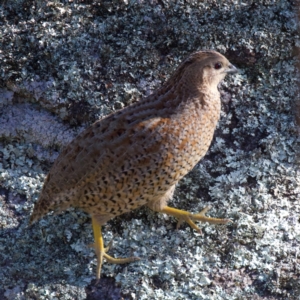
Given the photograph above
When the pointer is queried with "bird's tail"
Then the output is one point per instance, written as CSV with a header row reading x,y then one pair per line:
x,y
39,210
45,204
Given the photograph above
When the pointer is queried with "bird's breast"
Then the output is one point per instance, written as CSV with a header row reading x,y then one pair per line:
x,y
191,136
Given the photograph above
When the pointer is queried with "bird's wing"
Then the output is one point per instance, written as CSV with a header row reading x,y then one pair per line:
x,y
106,149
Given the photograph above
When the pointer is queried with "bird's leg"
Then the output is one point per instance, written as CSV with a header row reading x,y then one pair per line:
x,y
188,217
101,250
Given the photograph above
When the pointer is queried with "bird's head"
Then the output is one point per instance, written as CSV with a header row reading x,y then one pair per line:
x,y
205,68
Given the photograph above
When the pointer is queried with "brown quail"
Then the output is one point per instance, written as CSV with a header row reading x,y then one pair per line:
x,y
137,155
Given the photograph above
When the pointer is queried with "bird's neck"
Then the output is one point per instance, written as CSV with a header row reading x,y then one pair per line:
x,y
185,95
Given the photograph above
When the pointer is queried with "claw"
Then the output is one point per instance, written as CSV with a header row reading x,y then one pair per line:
x,y
188,217
106,249
101,250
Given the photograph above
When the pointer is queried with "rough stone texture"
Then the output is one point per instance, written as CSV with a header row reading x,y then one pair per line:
x,y
65,64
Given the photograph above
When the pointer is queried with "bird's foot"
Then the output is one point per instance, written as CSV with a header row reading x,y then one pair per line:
x,y
101,251
185,216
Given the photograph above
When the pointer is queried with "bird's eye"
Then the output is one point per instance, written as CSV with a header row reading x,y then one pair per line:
x,y
218,66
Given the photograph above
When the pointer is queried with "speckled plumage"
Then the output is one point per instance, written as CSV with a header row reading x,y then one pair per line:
x,y
136,156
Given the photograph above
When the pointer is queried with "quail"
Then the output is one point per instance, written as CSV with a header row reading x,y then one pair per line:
x,y
137,155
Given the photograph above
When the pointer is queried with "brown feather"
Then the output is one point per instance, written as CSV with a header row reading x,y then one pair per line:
x,y
137,155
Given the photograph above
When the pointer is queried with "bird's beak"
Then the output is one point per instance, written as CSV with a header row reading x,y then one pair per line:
x,y
231,69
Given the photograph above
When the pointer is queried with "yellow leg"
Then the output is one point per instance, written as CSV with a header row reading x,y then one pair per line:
x,y
188,217
101,251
